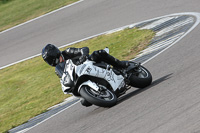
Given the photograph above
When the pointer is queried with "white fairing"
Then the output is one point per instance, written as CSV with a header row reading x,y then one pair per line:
x,y
91,84
87,68
68,69
116,81
64,88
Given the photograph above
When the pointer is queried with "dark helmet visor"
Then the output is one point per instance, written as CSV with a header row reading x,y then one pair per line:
x,y
51,54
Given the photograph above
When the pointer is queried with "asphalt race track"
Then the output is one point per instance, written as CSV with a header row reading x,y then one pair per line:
x,y
170,105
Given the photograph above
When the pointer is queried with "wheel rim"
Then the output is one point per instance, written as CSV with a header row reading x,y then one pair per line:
x,y
143,73
102,95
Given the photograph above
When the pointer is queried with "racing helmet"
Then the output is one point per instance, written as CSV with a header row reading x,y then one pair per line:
x,y
51,54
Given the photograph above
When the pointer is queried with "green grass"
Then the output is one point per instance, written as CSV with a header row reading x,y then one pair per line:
x,y
124,45
29,88
14,12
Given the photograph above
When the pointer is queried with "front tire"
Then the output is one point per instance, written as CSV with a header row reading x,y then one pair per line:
x,y
105,98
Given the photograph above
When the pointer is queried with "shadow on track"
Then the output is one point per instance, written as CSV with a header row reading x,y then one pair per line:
x,y
138,91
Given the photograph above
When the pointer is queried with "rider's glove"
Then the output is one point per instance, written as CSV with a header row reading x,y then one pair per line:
x,y
82,59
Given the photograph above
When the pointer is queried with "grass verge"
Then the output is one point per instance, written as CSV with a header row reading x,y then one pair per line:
x,y
14,12
29,88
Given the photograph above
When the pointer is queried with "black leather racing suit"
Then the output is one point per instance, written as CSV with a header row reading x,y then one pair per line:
x,y
78,54
75,54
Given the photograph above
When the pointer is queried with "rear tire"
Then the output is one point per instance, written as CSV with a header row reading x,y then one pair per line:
x,y
105,98
141,79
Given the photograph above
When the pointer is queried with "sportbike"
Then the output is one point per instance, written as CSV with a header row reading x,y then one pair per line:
x,y
100,84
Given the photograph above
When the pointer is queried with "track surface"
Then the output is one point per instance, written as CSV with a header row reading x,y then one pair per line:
x,y
170,104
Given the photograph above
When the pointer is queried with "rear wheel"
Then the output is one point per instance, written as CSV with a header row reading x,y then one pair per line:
x,y
104,98
140,77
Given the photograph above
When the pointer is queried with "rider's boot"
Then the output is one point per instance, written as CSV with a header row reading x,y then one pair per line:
x,y
117,63
112,60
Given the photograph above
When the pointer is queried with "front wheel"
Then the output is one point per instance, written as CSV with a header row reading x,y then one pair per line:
x,y
140,78
104,98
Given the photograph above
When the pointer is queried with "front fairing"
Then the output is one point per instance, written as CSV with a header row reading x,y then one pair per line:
x,y
65,70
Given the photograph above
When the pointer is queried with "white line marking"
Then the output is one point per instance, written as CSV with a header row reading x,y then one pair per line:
x,y
19,61
160,45
177,25
25,130
154,24
112,31
67,100
59,47
41,16
196,23
127,26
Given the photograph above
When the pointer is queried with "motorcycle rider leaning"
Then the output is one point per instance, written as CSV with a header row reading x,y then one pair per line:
x,y
54,57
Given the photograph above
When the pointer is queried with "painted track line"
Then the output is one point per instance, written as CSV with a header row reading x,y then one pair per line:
x,y
107,32
170,28
27,129
154,24
32,21
197,15
41,16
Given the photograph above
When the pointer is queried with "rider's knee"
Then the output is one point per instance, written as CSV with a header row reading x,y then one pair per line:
x,y
95,56
103,53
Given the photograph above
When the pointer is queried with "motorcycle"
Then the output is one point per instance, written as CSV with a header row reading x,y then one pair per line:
x,y
100,84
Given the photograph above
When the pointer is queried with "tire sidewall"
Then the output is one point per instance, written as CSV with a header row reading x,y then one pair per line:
x,y
141,82
96,101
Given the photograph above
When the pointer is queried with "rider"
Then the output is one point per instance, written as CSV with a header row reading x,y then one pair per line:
x,y
54,57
